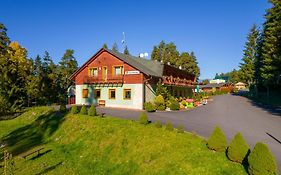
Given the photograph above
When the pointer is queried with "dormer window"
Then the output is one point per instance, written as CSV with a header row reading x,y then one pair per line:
x,y
93,72
117,70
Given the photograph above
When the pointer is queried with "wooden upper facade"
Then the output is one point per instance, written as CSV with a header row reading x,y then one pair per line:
x,y
108,67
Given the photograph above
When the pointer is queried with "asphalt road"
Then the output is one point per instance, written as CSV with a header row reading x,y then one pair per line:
x,y
256,122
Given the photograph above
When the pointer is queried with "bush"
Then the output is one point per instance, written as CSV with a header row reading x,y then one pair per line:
x,y
92,111
160,103
180,129
63,108
169,126
217,140
143,118
83,110
261,161
74,110
158,124
174,106
149,107
238,149
184,103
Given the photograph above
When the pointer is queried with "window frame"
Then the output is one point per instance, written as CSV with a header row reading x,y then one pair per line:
x,y
124,94
122,70
95,93
109,94
84,93
90,68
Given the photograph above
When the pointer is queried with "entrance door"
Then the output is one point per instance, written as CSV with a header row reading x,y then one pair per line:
x,y
104,73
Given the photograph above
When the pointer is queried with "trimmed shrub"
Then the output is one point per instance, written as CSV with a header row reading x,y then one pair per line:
x,y
217,141
169,126
184,103
174,106
180,128
158,124
143,118
261,161
74,110
83,110
92,111
238,149
63,108
149,107
160,103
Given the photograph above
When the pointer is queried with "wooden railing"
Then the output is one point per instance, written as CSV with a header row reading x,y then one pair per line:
x,y
170,80
109,80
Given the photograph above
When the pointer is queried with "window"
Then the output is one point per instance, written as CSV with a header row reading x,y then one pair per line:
x,y
97,93
93,72
127,94
85,93
118,70
112,93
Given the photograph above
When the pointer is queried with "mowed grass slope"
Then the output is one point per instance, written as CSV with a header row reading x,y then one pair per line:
x,y
80,144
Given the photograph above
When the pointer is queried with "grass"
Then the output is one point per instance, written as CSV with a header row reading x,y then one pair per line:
x,y
80,144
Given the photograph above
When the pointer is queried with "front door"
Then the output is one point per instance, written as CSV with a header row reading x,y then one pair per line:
x,y
104,73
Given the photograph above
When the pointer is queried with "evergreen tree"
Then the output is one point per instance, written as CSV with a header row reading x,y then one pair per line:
x,y
247,68
50,83
4,39
67,66
270,69
126,51
104,46
115,47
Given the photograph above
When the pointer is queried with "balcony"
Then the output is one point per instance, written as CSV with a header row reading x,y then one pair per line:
x,y
99,81
176,81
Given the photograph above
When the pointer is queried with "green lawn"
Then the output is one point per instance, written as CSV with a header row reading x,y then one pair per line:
x,y
79,144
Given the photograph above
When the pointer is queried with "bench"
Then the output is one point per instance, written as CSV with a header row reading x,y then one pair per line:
x,y
101,102
32,152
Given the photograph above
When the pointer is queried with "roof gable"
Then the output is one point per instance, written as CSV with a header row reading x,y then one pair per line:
x,y
147,67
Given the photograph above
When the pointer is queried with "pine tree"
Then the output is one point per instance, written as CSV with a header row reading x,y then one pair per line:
x,y
115,47
270,69
67,66
126,51
247,68
4,39
104,46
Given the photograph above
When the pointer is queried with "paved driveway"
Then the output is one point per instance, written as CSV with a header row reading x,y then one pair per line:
x,y
232,113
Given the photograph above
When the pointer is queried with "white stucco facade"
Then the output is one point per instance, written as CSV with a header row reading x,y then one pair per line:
x,y
136,101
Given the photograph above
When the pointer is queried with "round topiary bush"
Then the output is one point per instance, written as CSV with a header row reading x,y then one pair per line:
x,y
158,124
261,161
63,108
74,110
169,126
92,111
174,106
217,141
160,103
238,149
83,110
143,119
180,129
149,107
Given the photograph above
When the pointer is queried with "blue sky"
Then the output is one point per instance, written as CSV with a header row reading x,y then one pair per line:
x,y
215,30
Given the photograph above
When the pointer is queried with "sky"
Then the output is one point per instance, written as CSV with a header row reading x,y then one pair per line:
x,y
215,30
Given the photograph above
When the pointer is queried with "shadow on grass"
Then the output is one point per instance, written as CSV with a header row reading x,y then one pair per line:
x,y
50,168
34,134
40,154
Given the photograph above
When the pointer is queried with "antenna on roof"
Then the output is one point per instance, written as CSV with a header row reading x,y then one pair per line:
x,y
123,41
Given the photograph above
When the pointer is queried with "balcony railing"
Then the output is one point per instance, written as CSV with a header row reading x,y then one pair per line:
x,y
170,80
109,80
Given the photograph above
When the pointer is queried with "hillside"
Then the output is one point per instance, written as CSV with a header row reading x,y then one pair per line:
x,y
79,144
